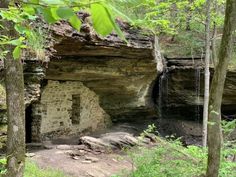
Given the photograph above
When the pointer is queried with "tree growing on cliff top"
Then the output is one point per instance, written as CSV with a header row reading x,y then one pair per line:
x,y
16,32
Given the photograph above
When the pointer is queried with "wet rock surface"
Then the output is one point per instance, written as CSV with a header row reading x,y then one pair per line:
x,y
183,89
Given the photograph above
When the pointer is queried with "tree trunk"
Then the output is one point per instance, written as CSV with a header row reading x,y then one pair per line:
x,y
15,107
207,74
214,47
16,117
217,87
214,37
189,16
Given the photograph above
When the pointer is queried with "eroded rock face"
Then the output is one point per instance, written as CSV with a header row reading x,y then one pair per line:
x,y
123,85
183,90
91,82
88,43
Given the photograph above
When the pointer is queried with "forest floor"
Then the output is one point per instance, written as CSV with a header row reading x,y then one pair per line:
x,y
103,165
62,154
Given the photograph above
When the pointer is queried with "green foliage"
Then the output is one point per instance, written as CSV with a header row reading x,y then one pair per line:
x,y
25,17
184,43
75,22
32,170
101,15
3,162
151,129
36,43
16,52
229,148
65,12
228,126
169,158
182,21
174,160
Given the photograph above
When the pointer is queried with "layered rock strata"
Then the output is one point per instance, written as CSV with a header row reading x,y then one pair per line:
x,y
183,89
89,82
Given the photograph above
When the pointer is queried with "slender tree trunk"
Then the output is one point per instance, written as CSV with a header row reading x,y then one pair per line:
x,y
16,115
15,108
189,17
207,73
214,48
217,87
214,37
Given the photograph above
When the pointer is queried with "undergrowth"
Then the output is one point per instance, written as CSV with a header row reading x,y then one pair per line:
x,y
32,170
171,159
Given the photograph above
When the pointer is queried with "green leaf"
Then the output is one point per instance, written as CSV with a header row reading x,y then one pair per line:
x,y
53,2
65,12
24,46
16,52
20,29
116,11
34,1
29,10
54,13
100,18
16,42
75,22
116,27
47,14
103,20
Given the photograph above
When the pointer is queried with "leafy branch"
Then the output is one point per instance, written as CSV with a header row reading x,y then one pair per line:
x,y
24,15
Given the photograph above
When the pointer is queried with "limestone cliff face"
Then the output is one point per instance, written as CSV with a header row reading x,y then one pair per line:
x,y
92,81
121,74
89,82
183,89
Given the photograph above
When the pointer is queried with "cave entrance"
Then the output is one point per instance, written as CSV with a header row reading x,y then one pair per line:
x,y
28,124
75,118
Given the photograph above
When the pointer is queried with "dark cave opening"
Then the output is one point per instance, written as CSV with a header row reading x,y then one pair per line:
x,y
28,124
155,91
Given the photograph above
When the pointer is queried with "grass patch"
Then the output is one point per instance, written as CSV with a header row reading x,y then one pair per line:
x,y
33,170
171,159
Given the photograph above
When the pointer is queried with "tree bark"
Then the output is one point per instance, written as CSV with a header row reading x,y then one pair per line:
x,y
214,37
216,92
214,47
189,16
15,107
207,73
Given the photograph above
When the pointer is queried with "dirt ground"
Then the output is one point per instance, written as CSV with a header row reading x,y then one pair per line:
x,y
104,165
101,165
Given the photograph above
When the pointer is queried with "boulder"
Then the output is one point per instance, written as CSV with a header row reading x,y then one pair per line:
x,y
109,141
